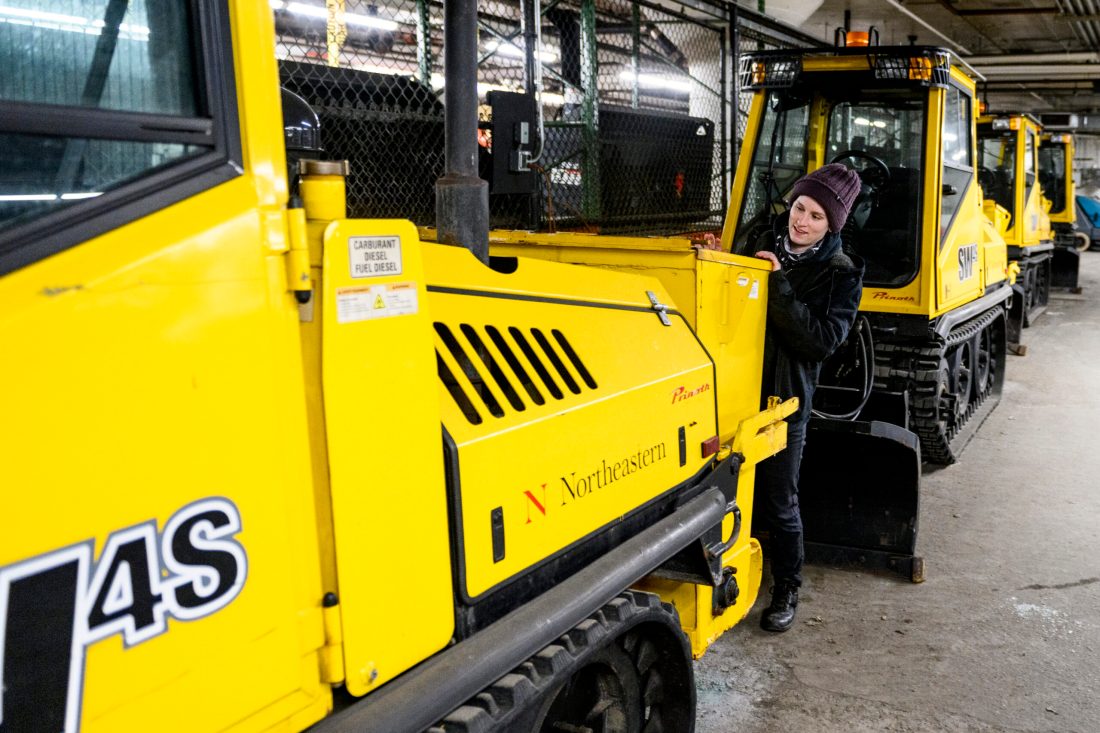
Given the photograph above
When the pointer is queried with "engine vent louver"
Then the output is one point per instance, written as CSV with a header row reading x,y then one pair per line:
x,y
489,370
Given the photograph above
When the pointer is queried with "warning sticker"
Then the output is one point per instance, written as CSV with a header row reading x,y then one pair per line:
x,y
754,291
375,301
374,256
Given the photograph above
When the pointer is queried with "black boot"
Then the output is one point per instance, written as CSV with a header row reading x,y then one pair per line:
x,y
779,616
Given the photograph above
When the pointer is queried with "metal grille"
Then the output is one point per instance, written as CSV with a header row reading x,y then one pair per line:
x,y
492,370
765,71
636,100
928,68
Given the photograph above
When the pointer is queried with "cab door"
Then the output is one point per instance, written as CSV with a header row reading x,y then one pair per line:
x,y
158,560
960,230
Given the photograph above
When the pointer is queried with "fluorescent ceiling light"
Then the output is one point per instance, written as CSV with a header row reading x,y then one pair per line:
x,y
352,19
68,23
657,81
862,121
879,123
508,48
30,197
49,196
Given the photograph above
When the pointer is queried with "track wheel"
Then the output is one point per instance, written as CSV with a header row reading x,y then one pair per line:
x,y
1030,287
962,378
604,696
983,360
934,413
625,669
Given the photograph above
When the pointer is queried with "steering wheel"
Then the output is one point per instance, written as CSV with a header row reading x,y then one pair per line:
x,y
876,176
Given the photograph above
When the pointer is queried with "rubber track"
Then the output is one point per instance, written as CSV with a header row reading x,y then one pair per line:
x,y
918,366
502,706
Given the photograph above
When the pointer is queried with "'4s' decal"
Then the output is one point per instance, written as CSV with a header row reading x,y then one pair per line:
x,y
52,607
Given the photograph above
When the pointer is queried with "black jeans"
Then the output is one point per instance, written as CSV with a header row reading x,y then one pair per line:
x,y
776,504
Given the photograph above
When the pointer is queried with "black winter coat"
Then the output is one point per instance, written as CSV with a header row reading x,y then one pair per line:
x,y
811,307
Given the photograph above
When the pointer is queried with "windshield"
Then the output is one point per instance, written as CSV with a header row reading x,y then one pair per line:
x,y
778,161
997,166
884,140
878,132
1052,174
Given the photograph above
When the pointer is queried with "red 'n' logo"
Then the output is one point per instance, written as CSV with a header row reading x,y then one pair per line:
x,y
539,505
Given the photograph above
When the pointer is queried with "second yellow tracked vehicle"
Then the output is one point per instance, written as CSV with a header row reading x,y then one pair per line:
x,y
936,280
925,364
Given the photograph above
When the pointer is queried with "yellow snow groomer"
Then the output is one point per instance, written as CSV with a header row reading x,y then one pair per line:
x,y
1057,148
1008,172
926,361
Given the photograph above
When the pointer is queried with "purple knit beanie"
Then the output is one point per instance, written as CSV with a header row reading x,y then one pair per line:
x,y
834,187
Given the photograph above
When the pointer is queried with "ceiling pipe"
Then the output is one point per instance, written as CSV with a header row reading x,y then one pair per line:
x,y
1079,57
909,14
1059,73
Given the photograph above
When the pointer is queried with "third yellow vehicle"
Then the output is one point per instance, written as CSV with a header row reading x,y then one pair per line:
x,y
1057,149
1008,160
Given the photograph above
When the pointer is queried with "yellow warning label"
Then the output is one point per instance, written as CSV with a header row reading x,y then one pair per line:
x,y
379,303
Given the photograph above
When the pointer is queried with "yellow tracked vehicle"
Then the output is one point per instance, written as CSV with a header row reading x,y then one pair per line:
x,y
927,359
1008,172
270,468
1057,148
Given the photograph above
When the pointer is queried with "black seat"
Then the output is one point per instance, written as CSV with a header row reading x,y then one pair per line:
x,y
888,241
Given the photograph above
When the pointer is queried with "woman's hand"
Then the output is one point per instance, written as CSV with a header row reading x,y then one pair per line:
x,y
770,257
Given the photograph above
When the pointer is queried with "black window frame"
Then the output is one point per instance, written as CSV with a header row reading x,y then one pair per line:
x,y
215,126
966,97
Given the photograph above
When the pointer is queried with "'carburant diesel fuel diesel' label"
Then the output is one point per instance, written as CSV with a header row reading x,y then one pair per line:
x,y
374,256
375,301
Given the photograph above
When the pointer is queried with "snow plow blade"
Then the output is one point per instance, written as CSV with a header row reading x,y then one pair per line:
x,y
859,490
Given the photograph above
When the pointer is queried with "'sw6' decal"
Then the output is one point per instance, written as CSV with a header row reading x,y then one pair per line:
x,y
52,607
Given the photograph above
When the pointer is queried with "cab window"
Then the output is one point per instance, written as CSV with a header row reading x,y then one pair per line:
x,y
1052,174
108,110
997,166
778,161
881,135
1029,162
958,163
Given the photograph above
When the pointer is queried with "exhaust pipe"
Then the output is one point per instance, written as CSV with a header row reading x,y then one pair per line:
x,y
461,198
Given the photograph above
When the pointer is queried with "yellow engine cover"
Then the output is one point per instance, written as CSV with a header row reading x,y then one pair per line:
x,y
724,299
538,368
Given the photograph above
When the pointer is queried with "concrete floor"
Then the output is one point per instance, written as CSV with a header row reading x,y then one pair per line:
x,y
1005,633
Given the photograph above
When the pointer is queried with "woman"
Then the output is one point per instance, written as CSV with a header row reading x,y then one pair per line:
x,y
813,297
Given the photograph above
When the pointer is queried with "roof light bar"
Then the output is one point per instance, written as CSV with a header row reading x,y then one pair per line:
x,y
769,72
929,68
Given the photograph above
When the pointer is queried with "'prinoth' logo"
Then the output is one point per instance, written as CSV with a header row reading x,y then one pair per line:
x,y
683,393
883,295
580,485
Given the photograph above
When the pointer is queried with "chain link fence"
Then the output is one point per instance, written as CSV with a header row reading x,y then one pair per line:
x,y
639,123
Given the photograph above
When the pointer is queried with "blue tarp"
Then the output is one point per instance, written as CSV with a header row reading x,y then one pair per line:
x,y
1088,218
1091,207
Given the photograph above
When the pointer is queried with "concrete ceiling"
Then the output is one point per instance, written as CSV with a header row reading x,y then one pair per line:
x,y
1036,55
